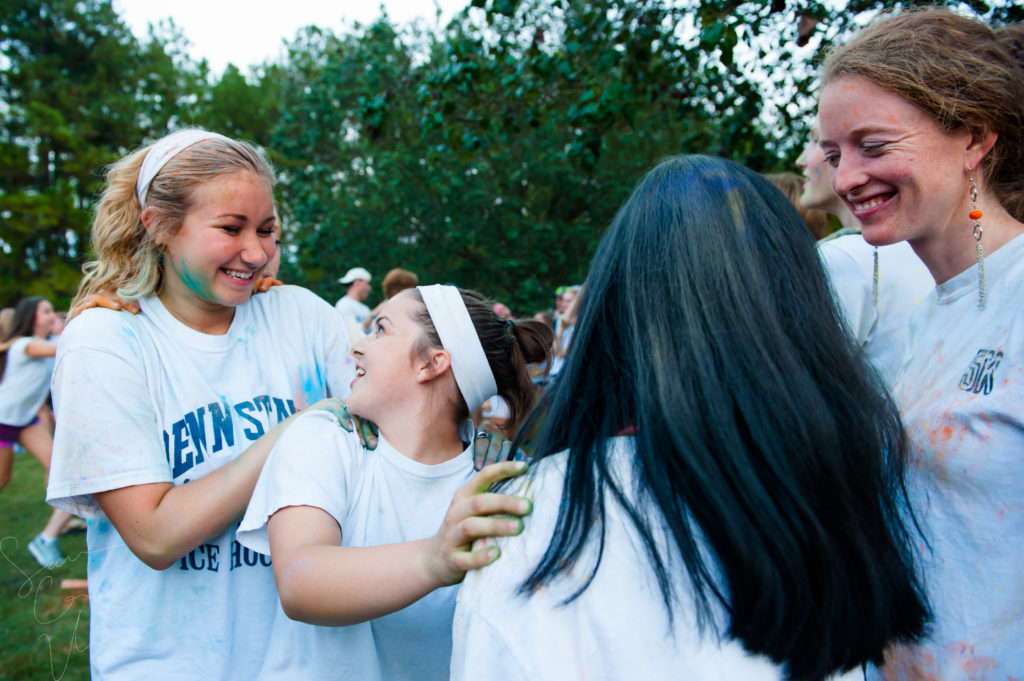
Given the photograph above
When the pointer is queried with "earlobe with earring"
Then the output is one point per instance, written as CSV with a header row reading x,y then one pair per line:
x,y
975,215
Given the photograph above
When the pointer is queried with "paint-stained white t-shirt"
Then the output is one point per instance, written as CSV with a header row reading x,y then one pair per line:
x,y
25,384
903,282
617,629
144,399
378,497
961,394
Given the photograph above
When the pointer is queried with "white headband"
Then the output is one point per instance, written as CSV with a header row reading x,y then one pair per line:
x,y
163,151
458,336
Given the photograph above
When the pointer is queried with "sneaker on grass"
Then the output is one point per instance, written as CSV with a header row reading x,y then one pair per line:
x,y
45,551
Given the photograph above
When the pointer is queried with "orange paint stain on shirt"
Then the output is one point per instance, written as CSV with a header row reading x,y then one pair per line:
x,y
904,662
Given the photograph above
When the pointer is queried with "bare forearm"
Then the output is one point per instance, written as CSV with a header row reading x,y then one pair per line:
x,y
341,585
160,523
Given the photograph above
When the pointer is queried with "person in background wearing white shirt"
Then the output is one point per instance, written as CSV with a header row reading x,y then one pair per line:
x,y
877,287
716,480
26,365
350,306
922,125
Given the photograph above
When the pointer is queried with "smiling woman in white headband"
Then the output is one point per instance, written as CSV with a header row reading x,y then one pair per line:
x,y
354,534
165,420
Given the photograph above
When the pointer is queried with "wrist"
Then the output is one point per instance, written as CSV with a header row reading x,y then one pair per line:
x,y
429,563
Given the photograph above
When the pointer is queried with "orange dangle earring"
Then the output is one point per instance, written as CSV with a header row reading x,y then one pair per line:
x,y
976,216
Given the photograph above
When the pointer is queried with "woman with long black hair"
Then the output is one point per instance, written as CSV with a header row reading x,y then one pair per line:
x,y
729,469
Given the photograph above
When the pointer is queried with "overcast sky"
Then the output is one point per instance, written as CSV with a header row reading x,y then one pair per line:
x,y
247,33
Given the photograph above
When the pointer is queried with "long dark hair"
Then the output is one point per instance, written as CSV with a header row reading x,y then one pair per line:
x,y
709,329
22,324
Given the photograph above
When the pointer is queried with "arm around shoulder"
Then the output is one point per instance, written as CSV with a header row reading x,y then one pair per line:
x,y
109,453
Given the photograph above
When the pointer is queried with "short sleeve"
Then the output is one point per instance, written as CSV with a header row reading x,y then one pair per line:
x,y
853,288
314,463
107,435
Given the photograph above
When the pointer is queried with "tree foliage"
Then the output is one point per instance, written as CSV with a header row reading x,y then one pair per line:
x,y
492,153
79,90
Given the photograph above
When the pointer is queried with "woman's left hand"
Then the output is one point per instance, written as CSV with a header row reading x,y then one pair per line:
x,y
365,430
475,513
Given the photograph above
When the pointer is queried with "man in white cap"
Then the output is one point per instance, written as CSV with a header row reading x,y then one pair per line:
x,y
351,307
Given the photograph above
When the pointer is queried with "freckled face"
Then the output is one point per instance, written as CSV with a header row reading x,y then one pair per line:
x,y
385,368
226,236
903,177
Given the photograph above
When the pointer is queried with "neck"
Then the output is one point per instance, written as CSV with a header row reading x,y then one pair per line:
x,y
428,437
949,251
196,313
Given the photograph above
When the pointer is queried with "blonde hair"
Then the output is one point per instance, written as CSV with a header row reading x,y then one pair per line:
x,y
128,258
956,70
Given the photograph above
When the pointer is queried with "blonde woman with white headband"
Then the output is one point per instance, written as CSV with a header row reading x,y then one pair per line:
x,y
363,572
165,417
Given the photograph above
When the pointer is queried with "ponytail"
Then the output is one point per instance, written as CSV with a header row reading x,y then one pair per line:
x,y
509,346
127,260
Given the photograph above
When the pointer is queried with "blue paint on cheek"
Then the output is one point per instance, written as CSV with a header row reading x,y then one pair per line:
x,y
193,282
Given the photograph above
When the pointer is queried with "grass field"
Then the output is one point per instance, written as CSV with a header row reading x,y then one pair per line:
x,y
44,629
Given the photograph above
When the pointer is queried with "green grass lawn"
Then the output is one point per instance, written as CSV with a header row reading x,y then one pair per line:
x,y
45,630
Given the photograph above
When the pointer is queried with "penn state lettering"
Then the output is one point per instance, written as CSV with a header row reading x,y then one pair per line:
x,y
210,428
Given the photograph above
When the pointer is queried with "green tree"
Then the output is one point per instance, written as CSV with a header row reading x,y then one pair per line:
x,y
79,91
495,154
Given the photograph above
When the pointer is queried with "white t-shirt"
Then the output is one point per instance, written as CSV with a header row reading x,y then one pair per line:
x,y
25,384
143,399
961,394
352,310
903,282
617,629
378,497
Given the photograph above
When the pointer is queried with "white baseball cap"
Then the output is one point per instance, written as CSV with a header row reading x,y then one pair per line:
x,y
353,274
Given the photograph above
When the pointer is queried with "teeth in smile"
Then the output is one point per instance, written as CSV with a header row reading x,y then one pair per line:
x,y
360,372
234,274
859,207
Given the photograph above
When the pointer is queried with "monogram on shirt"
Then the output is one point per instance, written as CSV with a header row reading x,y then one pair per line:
x,y
979,377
